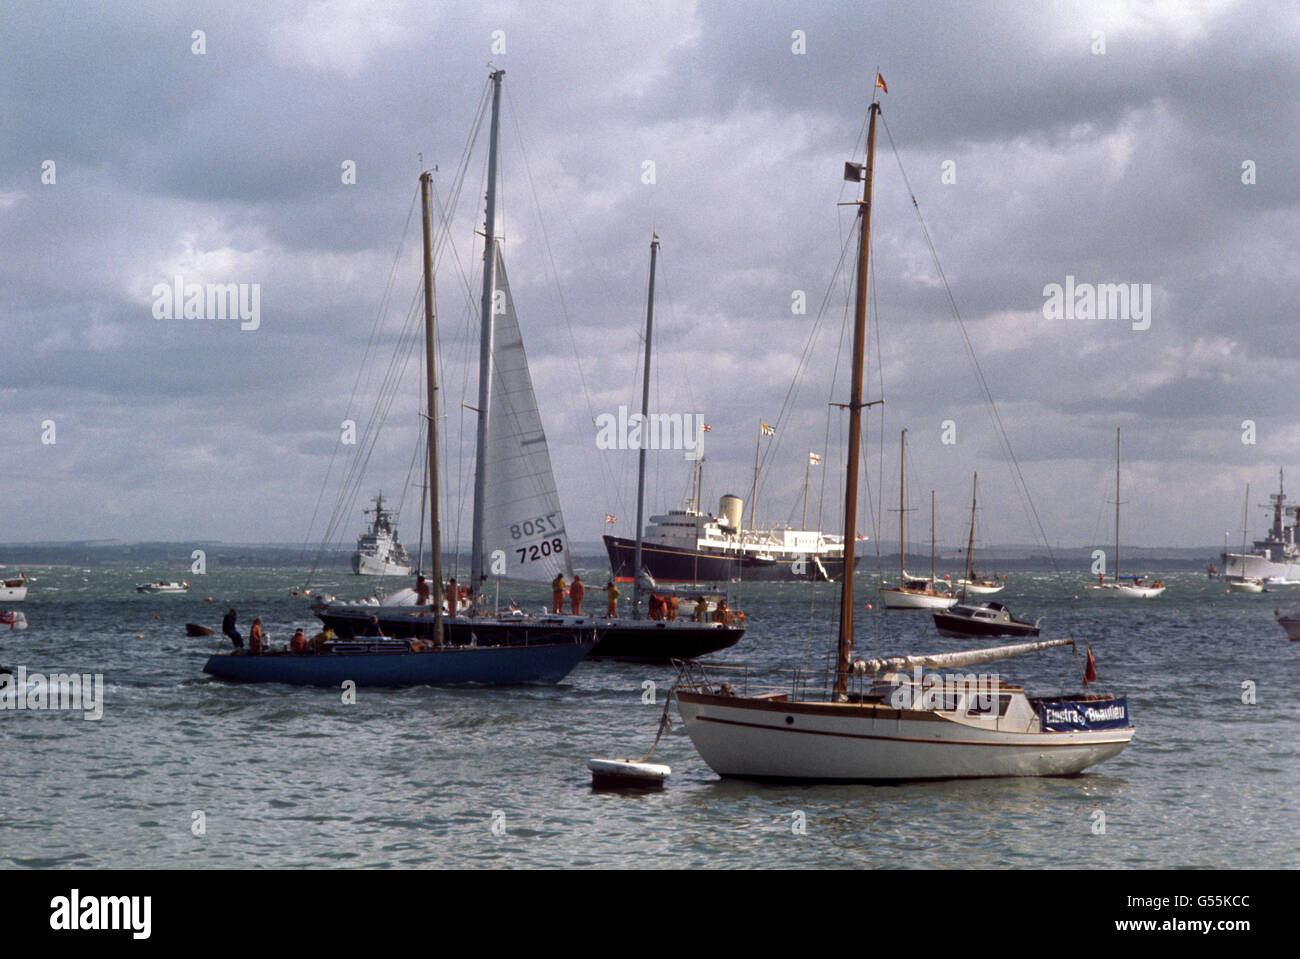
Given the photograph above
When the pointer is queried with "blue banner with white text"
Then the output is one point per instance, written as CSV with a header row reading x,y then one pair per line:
x,y
1094,714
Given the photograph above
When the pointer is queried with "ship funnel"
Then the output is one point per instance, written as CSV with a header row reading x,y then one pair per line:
x,y
730,510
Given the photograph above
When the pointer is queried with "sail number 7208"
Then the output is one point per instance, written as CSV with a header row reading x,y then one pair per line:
x,y
536,551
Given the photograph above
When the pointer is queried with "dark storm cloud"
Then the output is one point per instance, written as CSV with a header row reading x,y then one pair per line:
x,y
1118,167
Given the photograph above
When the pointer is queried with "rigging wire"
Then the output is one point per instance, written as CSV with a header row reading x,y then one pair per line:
x,y
1021,487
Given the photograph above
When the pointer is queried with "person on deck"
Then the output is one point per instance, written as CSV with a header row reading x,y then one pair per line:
x,y
421,591
576,592
453,595
255,637
672,609
228,627
722,614
611,593
558,587
298,644
315,644
656,606
372,628
701,610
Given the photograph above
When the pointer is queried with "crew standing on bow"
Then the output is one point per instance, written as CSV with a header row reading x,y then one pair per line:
x,y
228,627
558,588
421,591
611,593
576,592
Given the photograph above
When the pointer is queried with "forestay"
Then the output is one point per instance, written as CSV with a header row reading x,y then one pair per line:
x,y
523,528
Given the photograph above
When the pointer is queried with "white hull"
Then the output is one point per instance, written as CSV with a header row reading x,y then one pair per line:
x,y
371,565
1132,592
980,590
828,742
12,594
1245,586
909,599
12,619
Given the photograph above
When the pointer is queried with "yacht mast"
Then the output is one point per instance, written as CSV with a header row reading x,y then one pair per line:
x,y
431,388
1117,505
478,562
855,412
970,544
645,425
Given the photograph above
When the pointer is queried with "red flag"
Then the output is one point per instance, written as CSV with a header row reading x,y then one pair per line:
x,y
1089,670
880,82
609,519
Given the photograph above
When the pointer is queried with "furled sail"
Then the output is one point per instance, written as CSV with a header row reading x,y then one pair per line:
x,y
972,657
523,529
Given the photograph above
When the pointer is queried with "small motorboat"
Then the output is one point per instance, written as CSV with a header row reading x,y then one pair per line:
x,y
12,619
14,590
181,587
194,629
986,619
1291,624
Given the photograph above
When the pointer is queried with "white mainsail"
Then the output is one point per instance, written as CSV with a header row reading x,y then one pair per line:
x,y
523,527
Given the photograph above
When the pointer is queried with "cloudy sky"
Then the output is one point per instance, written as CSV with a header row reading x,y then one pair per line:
x,y
1115,143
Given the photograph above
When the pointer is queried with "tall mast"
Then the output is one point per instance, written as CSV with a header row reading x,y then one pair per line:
x,y
478,562
1245,509
753,496
645,425
902,541
855,420
932,538
1117,505
970,544
431,394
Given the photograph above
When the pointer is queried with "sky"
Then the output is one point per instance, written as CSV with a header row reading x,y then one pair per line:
x,y
1152,144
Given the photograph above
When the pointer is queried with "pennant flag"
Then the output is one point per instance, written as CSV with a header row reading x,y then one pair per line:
x,y
814,459
1089,670
766,430
706,427
859,537
610,519
880,82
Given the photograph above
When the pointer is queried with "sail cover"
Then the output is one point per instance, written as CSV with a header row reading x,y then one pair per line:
x,y
523,527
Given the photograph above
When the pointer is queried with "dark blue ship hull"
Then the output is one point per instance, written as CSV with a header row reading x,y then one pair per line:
x,y
670,565
395,664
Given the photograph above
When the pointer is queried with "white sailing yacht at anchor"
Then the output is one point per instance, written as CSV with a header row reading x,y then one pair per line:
x,y
1136,588
877,721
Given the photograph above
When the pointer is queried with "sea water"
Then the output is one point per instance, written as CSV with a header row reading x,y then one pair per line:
x,y
183,771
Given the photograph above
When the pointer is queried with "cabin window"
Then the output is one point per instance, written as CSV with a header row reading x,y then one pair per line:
x,y
1004,703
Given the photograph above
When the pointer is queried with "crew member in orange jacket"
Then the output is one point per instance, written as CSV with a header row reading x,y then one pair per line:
x,y
576,592
255,638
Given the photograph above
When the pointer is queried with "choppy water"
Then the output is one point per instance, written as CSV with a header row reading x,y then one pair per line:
x,y
292,777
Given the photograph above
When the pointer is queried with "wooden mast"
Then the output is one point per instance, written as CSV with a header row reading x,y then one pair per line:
x,y
855,417
431,388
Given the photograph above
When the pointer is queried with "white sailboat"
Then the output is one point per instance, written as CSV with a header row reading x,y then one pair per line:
x,y
913,592
1136,588
879,722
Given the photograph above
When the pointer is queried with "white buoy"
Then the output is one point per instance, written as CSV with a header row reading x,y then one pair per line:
x,y
626,773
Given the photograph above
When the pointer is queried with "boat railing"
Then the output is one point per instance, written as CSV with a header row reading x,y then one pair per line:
x,y
742,679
